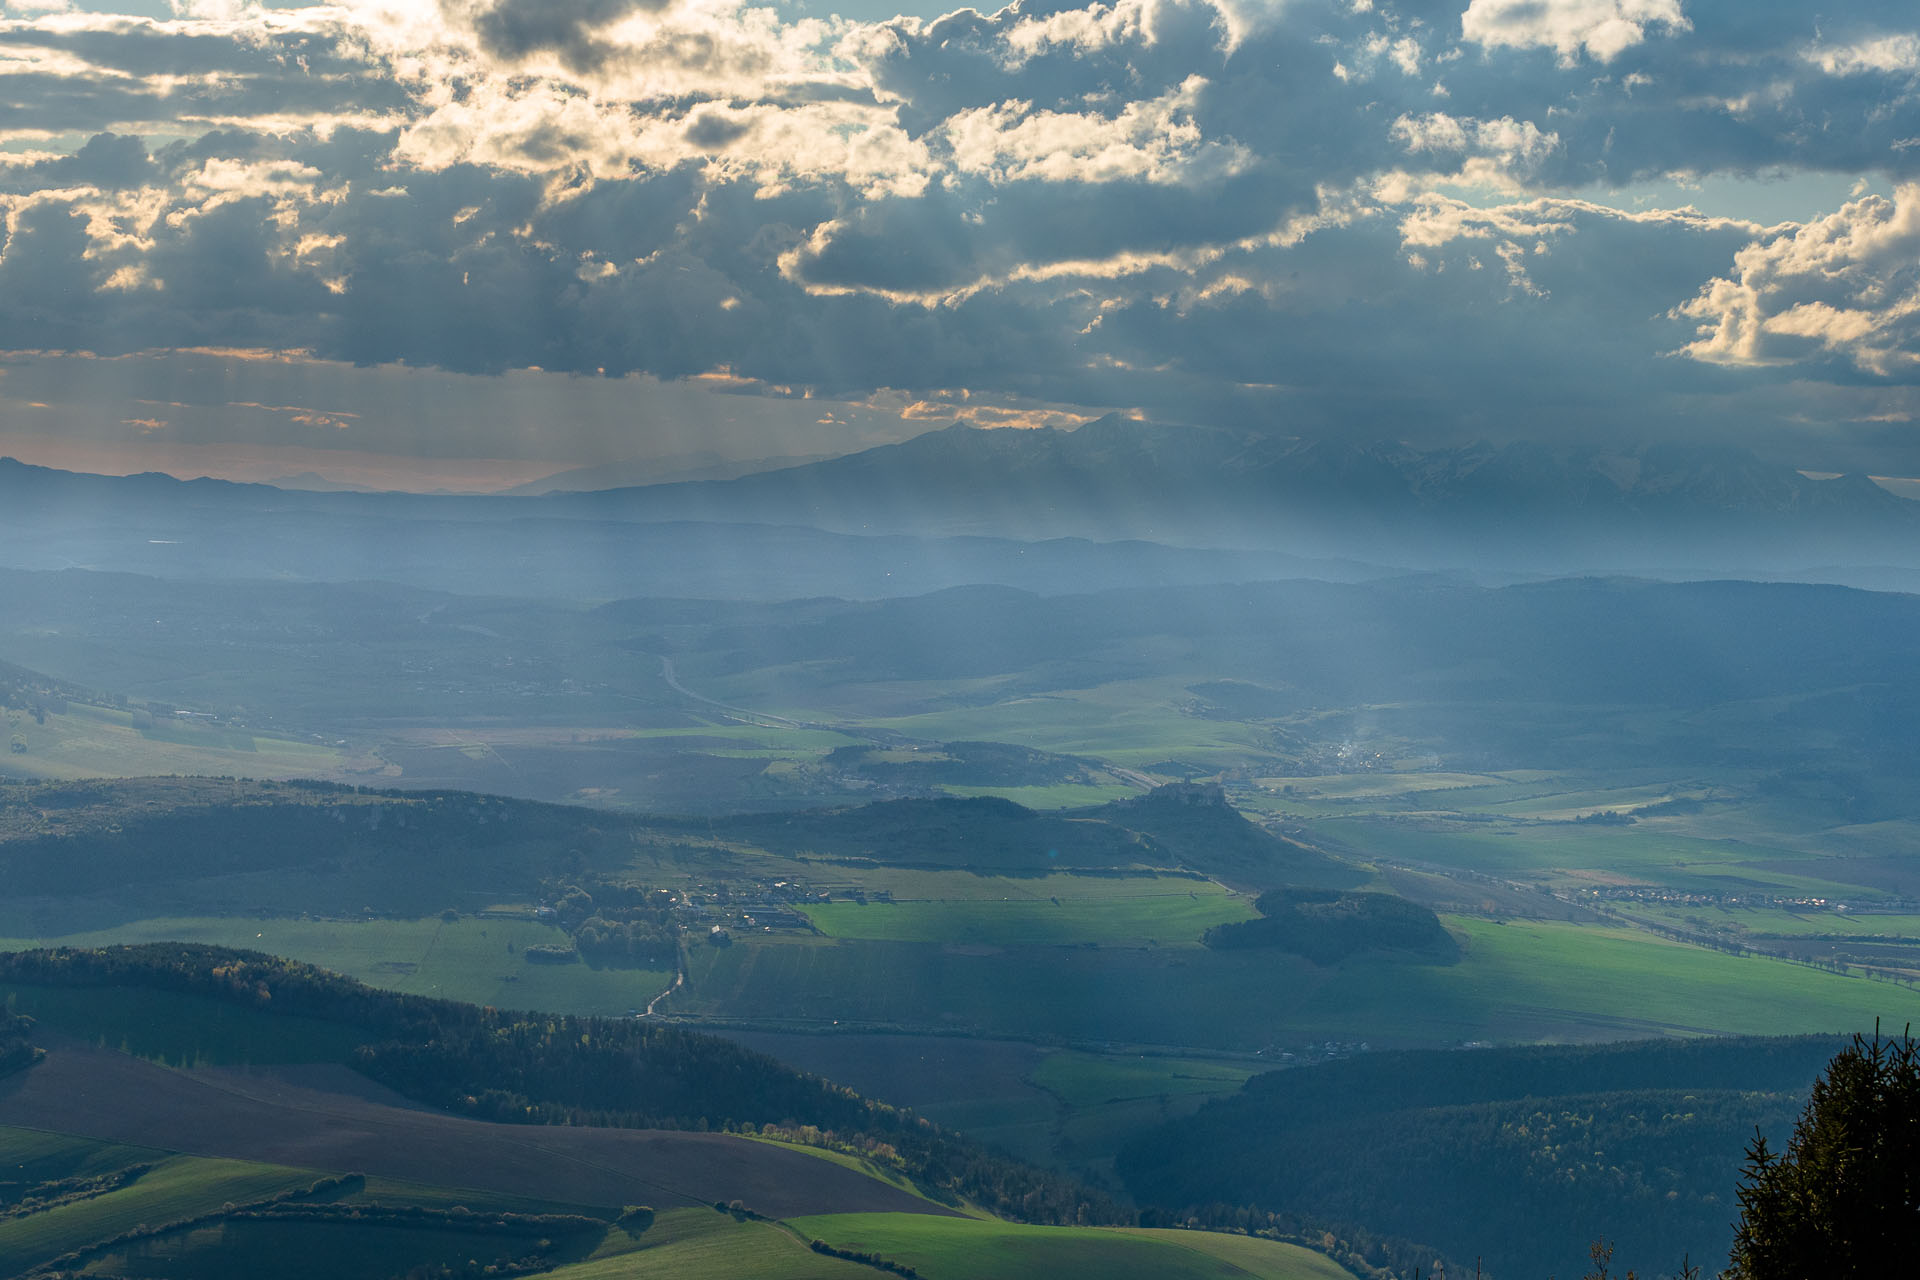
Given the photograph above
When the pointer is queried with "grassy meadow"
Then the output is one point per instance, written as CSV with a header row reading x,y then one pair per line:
x,y
1131,723
176,1187
475,959
167,1187
157,1188
244,1250
1568,855
101,742
1085,1080
1079,909
963,1248
1105,1099
1518,981
699,1244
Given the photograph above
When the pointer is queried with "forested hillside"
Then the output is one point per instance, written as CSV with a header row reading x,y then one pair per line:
x,y
1177,825
555,1069
1518,1157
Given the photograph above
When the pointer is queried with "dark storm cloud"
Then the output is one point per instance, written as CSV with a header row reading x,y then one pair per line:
x,y
1549,346
570,29
109,161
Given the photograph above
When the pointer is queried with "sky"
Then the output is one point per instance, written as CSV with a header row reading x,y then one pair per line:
x,y
466,243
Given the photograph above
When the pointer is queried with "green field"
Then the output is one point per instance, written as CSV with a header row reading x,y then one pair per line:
x,y
683,1244
178,1187
33,1155
246,1250
1380,785
1773,922
478,960
1531,794
916,884
769,739
1048,994
100,742
1080,972
1084,1080
1107,1099
427,1196
1570,855
1128,723
1254,1256
700,1244
1527,981
969,1249
1567,806
1161,911
1516,982
181,1187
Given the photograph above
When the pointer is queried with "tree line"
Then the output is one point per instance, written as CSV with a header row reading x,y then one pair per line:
x,y
16,1046
1327,926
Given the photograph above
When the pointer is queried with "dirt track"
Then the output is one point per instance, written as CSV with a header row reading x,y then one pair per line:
x,y
313,1118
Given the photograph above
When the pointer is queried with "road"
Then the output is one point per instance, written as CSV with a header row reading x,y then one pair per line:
x,y
672,678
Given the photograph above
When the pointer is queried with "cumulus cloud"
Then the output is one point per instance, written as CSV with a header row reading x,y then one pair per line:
x,y
1601,29
1844,287
1501,152
1158,141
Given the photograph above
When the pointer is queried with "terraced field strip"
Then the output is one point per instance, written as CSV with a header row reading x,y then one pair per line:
x,y
180,1187
32,1155
1777,923
1256,1257
971,1249
1649,853
700,1244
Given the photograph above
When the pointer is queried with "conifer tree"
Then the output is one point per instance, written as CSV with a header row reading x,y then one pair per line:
x,y
1843,1200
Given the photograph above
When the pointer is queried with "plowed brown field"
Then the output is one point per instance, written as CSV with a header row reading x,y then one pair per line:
x,y
314,1119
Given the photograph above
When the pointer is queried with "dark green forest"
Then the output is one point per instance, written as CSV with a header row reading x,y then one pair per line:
x,y
1326,927
1517,1158
1179,825
16,1043
411,852
1842,1198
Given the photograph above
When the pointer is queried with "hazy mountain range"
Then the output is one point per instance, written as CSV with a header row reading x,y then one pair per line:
x,y
1115,503
1119,478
